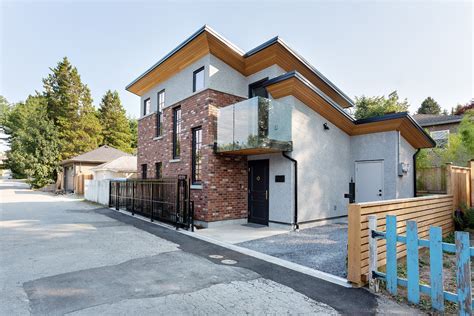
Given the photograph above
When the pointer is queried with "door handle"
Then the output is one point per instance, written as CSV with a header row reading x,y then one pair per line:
x,y
266,195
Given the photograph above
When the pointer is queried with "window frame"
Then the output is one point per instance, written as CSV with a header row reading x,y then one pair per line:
x,y
441,142
159,112
194,164
144,171
195,72
176,133
158,170
145,112
257,84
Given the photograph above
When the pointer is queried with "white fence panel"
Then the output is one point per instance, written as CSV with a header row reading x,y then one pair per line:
x,y
97,191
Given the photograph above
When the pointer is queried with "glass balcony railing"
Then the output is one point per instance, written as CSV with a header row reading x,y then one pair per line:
x,y
256,125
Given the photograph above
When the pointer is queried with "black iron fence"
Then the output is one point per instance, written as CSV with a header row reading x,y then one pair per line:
x,y
166,200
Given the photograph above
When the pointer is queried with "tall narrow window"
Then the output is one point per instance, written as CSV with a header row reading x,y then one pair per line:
x,y
146,107
198,79
159,114
176,132
197,156
158,170
144,171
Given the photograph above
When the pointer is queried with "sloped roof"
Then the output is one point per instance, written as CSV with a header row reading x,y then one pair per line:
x,y
122,164
206,40
433,119
100,155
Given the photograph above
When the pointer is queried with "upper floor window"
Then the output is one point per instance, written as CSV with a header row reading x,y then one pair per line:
x,y
257,89
159,114
144,171
197,156
198,79
441,138
158,170
176,132
146,107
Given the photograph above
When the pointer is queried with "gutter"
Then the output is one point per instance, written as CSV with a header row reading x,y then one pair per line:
x,y
414,171
295,215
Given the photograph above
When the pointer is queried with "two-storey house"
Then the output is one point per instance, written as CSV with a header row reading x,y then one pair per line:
x,y
264,136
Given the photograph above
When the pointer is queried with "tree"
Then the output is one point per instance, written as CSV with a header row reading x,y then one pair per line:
x,y
115,125
459,151
429,106
461,109
69,106
133,122
33,142
377,106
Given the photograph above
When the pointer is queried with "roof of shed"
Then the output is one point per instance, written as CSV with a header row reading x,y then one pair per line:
x,y
126,164
99,155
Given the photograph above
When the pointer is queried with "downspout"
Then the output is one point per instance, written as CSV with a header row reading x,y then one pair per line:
x,y
295,215
414,170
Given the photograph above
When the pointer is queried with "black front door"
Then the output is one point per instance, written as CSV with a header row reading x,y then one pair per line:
x,y
258,191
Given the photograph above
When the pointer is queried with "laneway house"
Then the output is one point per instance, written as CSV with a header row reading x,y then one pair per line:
x,y
265,137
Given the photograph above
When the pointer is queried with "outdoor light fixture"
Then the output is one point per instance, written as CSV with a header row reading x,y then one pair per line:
x,y
326,127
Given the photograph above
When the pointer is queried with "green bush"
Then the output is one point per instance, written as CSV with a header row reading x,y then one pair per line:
x,y
464,218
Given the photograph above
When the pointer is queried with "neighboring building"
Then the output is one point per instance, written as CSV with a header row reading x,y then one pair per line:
x,y
82,164
264,136
122,167
439,126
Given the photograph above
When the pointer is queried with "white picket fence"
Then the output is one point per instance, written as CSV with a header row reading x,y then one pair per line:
x,y
97,191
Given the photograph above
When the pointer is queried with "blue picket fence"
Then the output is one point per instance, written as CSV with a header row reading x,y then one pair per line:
x,y
436,246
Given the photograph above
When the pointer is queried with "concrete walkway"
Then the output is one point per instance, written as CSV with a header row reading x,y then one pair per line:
x,y
239,233
59,255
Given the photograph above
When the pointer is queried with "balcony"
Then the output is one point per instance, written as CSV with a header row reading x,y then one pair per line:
x,y
254,126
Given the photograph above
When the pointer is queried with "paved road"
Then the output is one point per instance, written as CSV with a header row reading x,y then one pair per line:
x,y
59,255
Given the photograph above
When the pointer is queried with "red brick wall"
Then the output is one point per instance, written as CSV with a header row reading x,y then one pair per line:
x,y
224,192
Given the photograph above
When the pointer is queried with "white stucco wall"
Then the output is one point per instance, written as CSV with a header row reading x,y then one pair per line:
x,y
178,87
405,183
384,146
281,197
323,164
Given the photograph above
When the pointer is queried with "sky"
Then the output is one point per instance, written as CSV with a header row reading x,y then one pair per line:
x,y
419,48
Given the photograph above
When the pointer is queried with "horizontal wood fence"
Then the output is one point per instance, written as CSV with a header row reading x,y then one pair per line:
x,y
462,249
430,210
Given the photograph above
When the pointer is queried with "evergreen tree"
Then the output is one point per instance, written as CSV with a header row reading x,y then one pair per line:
x,y
69,105
33,142
377,106
133,122
115,126
429,106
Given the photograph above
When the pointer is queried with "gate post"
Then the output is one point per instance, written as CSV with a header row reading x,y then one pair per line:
x,y
373,281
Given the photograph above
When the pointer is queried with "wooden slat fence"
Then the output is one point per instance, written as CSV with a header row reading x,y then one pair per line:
x,y
431,180
430,210
459,184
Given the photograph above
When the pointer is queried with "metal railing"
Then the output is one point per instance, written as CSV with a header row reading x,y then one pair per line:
x,y
165,200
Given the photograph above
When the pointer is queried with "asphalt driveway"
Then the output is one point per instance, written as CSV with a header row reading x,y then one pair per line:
x,y
61,256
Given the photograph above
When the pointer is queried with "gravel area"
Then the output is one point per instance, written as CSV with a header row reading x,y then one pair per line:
x,y
323,248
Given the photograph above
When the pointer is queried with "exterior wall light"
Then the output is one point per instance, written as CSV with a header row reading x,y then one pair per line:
x,y
326,127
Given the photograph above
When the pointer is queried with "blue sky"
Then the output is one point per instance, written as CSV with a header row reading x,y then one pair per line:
x,y
420,48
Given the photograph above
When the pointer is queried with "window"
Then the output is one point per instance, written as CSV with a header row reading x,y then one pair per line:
x,y
198,79
441,138
257,89
197,156
159,114
176,132
144,171
146,107
158,170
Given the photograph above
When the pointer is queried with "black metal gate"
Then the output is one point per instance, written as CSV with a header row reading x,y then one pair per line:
x,y
166,200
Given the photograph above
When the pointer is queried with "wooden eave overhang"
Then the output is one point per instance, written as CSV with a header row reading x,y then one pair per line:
x,y
296,85
207,41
